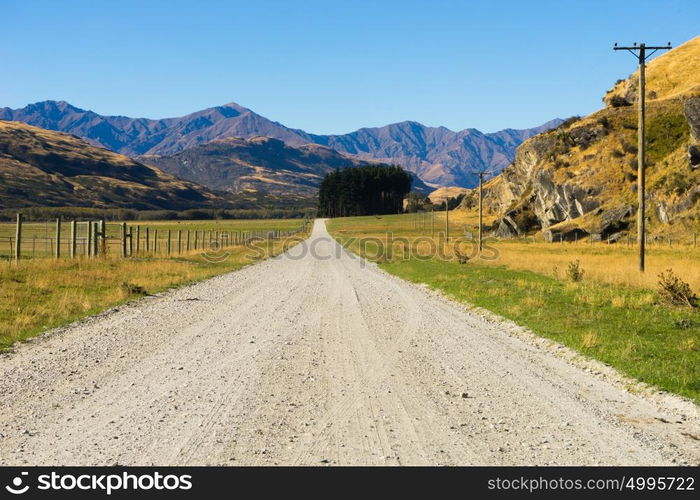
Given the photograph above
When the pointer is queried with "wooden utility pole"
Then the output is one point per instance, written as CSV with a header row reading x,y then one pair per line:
x,y
481,174
640,52
481,208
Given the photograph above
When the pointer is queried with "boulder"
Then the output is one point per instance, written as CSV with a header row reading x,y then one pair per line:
x,y
694,156
692,114
568,234
614,220
586,135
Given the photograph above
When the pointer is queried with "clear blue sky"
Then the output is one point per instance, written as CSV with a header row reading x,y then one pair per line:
x,y
331,67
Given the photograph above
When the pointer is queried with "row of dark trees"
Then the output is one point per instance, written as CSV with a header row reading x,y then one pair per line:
x,y
365,190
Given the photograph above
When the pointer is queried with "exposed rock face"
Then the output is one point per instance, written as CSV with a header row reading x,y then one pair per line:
x,y
692,114
694,156
529,196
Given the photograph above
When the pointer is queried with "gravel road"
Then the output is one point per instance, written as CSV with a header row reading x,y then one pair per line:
x,y
321,359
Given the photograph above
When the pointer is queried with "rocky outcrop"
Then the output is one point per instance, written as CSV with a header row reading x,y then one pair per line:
x,y
579,180
529,197
691,110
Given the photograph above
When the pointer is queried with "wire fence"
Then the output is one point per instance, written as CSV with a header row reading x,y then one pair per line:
x,y
425,223
91,238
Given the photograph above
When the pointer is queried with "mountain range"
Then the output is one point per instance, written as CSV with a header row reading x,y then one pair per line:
x,y
437,155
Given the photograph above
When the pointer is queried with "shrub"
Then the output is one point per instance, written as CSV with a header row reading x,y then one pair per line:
x,y
629,148
130,289
617,101
675,291
569,121
574,271
616,153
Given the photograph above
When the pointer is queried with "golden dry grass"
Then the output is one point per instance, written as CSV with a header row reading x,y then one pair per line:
x,y
614,264
673,73
441,194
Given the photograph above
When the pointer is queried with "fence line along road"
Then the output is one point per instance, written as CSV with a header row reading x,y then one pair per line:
x,y
94,238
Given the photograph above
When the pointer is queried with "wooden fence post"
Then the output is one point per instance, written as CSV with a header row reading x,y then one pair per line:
x,y
18,238
72,239
58,238
187,244
88,250
179,241
96,238
138,240
103,234
155,241
168,241
122,236
147,241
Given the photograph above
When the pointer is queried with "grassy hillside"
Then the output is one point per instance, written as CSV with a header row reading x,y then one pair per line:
x,y
45,168
666,76
581,178
257,164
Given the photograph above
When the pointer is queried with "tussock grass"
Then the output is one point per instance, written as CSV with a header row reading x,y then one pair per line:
x,y
613,264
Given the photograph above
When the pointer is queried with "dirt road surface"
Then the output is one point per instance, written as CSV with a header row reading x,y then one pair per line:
x,y
320,359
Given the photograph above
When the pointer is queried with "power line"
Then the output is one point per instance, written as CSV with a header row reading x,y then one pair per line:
x,y
640,52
